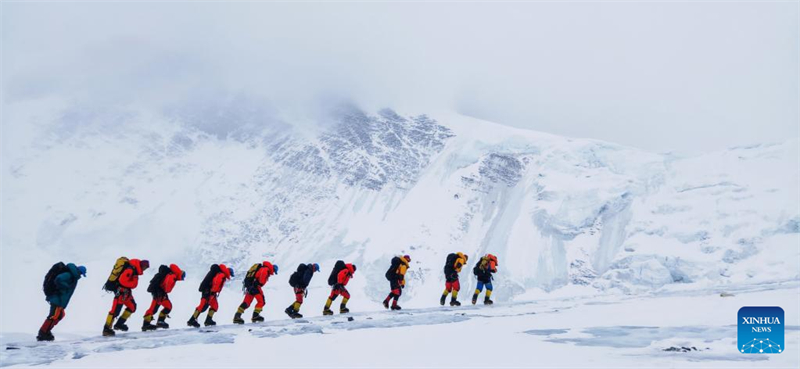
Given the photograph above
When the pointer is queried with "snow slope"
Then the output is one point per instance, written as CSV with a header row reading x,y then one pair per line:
x,y
232,182
648,330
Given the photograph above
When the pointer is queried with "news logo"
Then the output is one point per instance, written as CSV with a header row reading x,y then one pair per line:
x,y
760,330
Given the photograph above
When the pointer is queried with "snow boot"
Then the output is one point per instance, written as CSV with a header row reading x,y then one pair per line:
x,y
343,310
237,319
45,336
441,300
386,304
146,326
292,312
108,332
209,322
487,301
474,299
192,322
396,307
257,318
454,302
327,311
162,324
120,325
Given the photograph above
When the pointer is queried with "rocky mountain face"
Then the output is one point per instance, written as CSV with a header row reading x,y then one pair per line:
x,y
232,183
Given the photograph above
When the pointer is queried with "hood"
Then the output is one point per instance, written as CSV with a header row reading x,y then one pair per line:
x,y
73,269
137,266
269,267
177,271
351,268
225,270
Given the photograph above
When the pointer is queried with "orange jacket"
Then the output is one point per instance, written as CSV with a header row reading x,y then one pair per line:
x,y
401,270
169,282
461,260
345,274
492,262
219,280
130,276
262,276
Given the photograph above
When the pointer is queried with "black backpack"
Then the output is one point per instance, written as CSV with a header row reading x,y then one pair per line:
x,y
155,282
335,272
49,286
391,274
205,285
449,264
250,277
297,276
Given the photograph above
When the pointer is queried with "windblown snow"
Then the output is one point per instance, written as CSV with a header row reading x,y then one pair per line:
x,y
231,183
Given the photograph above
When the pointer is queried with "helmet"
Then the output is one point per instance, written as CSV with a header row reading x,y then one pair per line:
x,y
275,268
408,258
231,270
144,264
316,267
82,270
354,267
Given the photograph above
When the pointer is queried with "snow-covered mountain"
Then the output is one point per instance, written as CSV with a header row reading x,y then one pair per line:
x,y
232,183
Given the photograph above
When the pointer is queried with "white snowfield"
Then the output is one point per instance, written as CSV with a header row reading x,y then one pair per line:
x,y
222,183
690,328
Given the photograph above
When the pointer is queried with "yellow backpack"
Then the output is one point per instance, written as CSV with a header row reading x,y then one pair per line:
x,y
250,277
112,283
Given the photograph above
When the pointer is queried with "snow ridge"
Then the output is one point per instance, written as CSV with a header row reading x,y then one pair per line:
x,y
236,185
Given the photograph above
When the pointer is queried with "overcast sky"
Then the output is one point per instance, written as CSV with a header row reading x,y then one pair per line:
x,y
661,76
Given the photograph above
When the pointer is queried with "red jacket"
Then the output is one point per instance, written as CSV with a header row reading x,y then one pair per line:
x,y
345,274
169,282
262,276
219,280
130,276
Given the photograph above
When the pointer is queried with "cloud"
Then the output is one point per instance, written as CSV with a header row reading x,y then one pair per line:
x,y
661,76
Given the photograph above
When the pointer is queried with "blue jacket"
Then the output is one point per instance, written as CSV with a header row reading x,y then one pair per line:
x,y
307,275
65,286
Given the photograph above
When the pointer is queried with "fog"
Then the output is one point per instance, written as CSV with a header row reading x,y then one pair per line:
x,y
680,76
